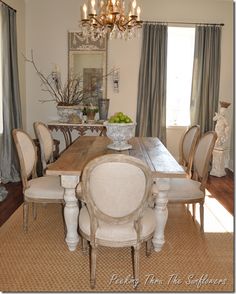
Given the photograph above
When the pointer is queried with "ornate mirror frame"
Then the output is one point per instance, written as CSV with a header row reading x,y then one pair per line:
x,y
88,59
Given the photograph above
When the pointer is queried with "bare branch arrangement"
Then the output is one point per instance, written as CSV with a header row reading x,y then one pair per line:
x,y
72,92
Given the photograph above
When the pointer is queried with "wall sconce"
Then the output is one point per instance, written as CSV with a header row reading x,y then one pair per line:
x,y
115,79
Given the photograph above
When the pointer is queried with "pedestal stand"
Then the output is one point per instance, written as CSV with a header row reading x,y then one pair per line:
x,y
218,163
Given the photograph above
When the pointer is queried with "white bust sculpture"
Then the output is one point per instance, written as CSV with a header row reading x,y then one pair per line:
x,y
222,126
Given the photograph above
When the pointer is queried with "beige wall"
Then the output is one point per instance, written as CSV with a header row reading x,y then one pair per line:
x,y
47,23
19,5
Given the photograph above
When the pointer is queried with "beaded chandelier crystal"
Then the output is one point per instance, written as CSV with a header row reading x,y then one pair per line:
x,y
111,20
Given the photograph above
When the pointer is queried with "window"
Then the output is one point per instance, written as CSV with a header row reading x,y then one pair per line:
x,y
179,75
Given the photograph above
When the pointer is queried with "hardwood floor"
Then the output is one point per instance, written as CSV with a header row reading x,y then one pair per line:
x,y
223,190
13,200
220,188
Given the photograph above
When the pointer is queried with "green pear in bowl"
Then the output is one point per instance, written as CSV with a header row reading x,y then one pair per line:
x,y
120,129
120,117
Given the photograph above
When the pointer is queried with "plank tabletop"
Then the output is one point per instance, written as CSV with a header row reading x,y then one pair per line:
x,y
150,150
58,123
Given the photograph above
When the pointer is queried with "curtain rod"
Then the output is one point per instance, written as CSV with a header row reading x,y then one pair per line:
x,y
186,23
8,5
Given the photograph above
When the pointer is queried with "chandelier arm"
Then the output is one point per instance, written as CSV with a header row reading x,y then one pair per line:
x,y
93,17
127,22
136,24
120,26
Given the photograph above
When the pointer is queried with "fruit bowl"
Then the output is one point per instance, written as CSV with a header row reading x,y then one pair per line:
x,y
120,133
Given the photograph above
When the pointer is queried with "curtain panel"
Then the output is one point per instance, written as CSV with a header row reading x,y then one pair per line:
x,y
151,101
9,166
206,76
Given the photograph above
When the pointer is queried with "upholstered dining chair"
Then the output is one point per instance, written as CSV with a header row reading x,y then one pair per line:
x,y
46,143
46,189
116,189
192,191
187,148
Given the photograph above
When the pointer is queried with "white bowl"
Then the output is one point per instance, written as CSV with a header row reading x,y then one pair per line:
x,y
120,134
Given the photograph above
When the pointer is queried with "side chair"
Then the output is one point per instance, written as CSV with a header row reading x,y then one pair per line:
x,y
192,191
46,144
187,148
116,189
45,189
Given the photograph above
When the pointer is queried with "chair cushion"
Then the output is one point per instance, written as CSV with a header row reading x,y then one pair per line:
x,y
184,189
118,233
47,187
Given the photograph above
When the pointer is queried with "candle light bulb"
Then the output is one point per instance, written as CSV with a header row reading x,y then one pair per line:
x,y
93,5
133,7
85,11
138,12
134,4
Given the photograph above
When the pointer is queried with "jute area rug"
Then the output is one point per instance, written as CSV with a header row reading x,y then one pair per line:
x,y
40,260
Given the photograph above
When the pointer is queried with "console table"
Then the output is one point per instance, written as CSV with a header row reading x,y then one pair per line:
x,y
67,128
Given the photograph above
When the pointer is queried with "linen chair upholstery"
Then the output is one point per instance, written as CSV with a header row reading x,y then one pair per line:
x,y
116,189
46,143
193,190
46,189
187,148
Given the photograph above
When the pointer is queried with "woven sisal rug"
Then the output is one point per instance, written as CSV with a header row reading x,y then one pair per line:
x,y
40,260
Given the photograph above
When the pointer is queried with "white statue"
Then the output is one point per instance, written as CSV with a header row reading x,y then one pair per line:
x,y
220,152
222,126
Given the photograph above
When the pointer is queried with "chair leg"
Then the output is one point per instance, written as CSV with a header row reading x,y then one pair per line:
x,y
34,205
148,247
202,217
93,266
25,216
84,244
194,211
136,265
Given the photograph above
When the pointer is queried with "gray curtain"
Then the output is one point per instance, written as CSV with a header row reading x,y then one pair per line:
x,y
9,171
206,76
151,102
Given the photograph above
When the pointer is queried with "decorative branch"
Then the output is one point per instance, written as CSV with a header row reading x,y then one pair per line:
x,y
44,80
73,92
69,94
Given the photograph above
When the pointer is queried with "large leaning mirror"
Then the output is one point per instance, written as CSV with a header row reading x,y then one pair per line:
x,y
88,59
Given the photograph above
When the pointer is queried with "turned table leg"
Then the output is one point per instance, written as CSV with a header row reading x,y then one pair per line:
x,y
160,191
71,210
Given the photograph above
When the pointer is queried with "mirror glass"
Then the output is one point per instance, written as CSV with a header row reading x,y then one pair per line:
x,y
88,59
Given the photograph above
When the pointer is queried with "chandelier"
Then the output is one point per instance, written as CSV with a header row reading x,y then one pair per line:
x,y
110,19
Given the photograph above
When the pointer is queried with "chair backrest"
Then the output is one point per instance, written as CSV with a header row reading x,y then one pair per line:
x,y
116,188
44,136
187,147
203,155
27,154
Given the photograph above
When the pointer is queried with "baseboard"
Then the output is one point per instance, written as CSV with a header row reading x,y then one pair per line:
x,y
231,165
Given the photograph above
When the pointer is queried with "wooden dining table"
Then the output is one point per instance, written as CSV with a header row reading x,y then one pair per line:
x,y
69,166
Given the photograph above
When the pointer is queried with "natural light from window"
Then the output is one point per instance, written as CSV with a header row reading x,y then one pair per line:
x,y
179,75
216,218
